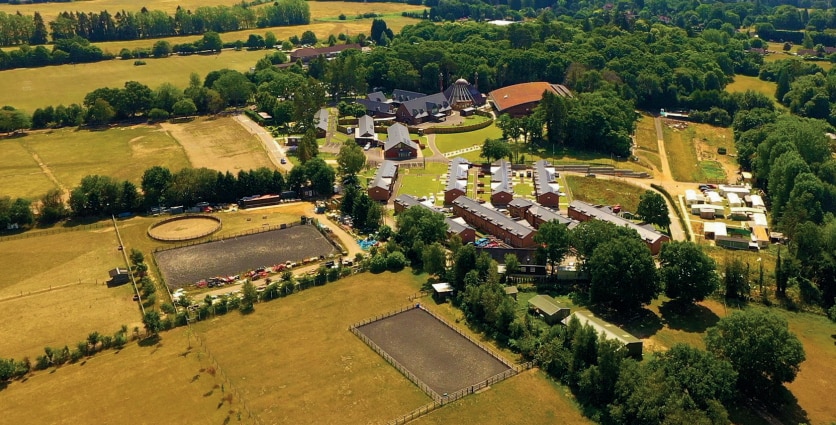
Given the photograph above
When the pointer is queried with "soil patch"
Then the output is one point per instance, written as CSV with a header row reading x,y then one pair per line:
x,y
184,228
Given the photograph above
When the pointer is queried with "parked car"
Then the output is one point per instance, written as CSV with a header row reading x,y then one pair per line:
x,y
283,161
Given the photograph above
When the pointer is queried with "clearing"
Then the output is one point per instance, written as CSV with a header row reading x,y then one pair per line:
x,y
743,83
692,151
604,192
219,144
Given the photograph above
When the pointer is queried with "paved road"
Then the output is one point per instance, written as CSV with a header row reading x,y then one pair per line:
x,y
274,150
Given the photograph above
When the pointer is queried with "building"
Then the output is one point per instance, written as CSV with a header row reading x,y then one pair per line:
x,y
399,146
546,188
734,200
463,95
400,96
364,133
457,177
432,108
610,331
740,190
502,188
583,211
442,290
454,227
259,201
380,188
691,197
547,307
713,229
321,118
377,105
118,276
536,214
306,54
713,198
512,291
488,220
521,99
756,201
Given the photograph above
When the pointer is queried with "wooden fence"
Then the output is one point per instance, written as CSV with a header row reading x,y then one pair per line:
x,y
33,234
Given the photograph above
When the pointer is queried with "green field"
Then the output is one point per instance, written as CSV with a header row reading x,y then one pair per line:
x,y
682,157
456,141
712,170
646,134
68,154
743,83
605,192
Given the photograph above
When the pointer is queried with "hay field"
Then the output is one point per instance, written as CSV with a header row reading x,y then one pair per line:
x,y
165,383
123,153
219,144
20,174
310,368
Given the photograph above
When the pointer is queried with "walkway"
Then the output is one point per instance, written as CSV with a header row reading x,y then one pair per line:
x,y
274,150
437,155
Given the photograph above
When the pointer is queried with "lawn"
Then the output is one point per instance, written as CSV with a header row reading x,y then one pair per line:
x,y
421,184
712,170
123,153
605,192
20,175
692,153
743,83
457,141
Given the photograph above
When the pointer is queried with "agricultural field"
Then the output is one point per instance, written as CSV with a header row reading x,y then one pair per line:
x,y
219,144
692,151
605,192
69,154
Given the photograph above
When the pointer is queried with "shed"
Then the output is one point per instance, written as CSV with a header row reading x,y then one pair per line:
x,y
550,309
442,290
512,291
610,331
118,276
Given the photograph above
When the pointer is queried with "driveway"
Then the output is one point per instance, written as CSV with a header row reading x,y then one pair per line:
x,y
274,150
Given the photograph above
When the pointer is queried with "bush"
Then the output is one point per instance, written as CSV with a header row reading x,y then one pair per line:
x,y
168,308
395,261
378,263
342,16
139,63
158,114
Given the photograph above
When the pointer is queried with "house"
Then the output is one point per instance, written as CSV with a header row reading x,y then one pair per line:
x,y
377,109
546,306
455,226
489,220
583,211
118,276
380,188
713,229
521,99
432,108
502,188
536,214
321,120
610,331
364,133
546,188
306,54
400,96
457,177
518,207
398,145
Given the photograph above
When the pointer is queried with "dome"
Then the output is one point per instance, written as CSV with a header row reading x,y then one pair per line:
x,y
462,81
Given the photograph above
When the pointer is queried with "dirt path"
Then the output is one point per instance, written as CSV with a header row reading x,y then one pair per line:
x,y
663,156
65,193
274,151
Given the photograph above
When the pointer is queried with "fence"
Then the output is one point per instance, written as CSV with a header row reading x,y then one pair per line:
x,y
184,217
31,234
233,236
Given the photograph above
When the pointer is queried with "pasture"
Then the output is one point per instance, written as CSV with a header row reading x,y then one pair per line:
x,y
743,83
20,174
605,192
219,144
647,144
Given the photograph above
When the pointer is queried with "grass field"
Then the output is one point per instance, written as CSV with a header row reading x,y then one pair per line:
x,y
70,154
646,134
456,141
220,144
743,83
605,192
692,153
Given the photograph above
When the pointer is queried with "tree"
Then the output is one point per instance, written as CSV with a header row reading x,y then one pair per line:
x,y
552,241
760,347
184,108
687,272
420,224
234,87
704,376
736,278
52,207
134,99
653,209
211,41
249,296
512,264
495,149
351,158
161,49
308,148
308,37
12,120
100,113
153,323
623,274
40,33
434,259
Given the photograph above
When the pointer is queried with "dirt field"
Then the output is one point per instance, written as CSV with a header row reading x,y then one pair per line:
x,y
190,228
219,144
183,266
436,354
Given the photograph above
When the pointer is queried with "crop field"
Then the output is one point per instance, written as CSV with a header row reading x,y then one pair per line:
x,y
605,192
219,144
70,154
182,266
436,354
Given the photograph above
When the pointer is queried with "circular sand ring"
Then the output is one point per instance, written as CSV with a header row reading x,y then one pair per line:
x,y
184,228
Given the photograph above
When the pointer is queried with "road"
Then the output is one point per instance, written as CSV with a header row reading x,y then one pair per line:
x,y
274,150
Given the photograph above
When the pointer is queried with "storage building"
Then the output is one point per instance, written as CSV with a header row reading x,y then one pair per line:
x,y
610,331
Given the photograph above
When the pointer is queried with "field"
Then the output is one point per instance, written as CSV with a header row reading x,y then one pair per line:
x,y
456,141
219,144
182,266
743,83
692,153
70,154
53,290
647,144
605,192
436,354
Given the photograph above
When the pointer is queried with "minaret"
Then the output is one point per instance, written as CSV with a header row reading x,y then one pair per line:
x,y
440,81
476,80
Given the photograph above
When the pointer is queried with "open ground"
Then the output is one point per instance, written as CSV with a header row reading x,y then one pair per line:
x,y
219,144
692,152
437,355
187,265
604,192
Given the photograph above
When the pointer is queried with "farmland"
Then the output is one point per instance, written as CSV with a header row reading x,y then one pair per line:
x,y
219,144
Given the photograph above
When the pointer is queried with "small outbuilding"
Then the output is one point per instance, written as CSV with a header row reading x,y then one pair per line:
x,y
610,331
712,229
442,290
512,291
118,276
546,306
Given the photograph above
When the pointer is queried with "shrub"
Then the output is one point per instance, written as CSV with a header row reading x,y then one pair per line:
x,y
139,63
378,263
342,16
395,261
168,308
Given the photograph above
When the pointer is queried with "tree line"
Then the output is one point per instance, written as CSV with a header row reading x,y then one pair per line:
x,y
127,25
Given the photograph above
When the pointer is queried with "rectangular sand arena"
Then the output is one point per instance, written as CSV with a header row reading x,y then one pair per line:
x,y
187,265
436,354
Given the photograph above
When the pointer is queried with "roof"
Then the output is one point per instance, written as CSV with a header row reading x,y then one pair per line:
x,y
520,94
374,106
117,272
590,210
544,178
398,133
309,53
365,127
377,96
716,227
760,219
609,330
385,172
401,96
510,290
520,203
493,216
424,106
501,177
547,214
321,118
546,304
757,201
462,91
458,168
442,287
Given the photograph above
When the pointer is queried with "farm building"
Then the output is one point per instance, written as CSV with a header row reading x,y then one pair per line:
x,y
398,145
521,99
491,221
457,171
118,276
610,331
454,226
545,184
463,95
714,198
307,54
380,188
712,229
364,133
582,211
432,108
502,189
259,201
691,197
740,190
734,200
321,119
548,307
